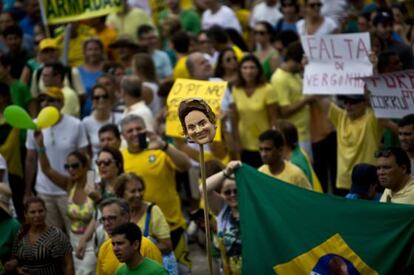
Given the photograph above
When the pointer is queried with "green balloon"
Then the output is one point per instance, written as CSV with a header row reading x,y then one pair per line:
x,y
17,117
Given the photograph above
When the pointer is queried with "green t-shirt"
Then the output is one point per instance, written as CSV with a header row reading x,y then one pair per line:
x,y
8,232
147,267
20,94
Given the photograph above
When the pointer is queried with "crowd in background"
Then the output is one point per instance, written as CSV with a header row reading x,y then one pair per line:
x,y
71,194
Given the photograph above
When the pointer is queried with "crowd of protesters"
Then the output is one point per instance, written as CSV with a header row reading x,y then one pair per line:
x,y
106,191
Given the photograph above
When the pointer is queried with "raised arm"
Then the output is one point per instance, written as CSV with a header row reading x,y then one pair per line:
x,y
216,201
57,178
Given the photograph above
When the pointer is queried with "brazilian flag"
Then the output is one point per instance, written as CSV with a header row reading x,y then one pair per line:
x,y
289,230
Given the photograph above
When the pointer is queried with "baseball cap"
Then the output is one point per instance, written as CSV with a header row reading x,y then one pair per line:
x,y
48,43
383,17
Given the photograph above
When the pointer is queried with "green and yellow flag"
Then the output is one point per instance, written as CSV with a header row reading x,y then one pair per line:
x,y
289,230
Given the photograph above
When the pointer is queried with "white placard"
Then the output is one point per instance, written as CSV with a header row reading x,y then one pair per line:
x,y
392,94
335,61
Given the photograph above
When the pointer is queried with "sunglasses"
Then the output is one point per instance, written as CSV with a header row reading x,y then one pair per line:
x,y
260,32
230,191
75,165
97,97
315,5
228,59
104,162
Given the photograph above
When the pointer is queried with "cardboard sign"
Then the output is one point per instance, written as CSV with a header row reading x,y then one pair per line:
x,y
212,92
336,62
64,11
392,94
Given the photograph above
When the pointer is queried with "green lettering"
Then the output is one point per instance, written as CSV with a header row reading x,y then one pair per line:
x,y
74,7
50,9
61,7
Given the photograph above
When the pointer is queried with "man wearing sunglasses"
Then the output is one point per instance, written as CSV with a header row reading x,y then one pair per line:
x,y
62,138
393,170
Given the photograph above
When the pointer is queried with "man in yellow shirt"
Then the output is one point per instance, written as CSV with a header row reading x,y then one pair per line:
x,y
115,212
294,106
271,151
156,163
393,169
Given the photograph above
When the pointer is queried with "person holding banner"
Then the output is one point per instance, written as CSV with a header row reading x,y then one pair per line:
x,y
358,135
255,109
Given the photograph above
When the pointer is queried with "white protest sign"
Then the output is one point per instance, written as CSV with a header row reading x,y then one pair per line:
x,y
392,94
335,61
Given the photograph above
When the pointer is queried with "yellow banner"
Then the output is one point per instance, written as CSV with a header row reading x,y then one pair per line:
x,y
212,92
64,11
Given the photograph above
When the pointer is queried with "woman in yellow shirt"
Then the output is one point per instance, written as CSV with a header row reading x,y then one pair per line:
x,y
255,109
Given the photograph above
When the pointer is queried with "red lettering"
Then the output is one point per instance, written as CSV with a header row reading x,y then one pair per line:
x,y
323,48
349,43
361,49
310,46
333,50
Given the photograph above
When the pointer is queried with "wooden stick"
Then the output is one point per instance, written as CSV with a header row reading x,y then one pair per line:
x,y
206,210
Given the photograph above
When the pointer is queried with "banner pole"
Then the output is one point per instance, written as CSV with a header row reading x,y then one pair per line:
x,y
44,18
206,210
66,40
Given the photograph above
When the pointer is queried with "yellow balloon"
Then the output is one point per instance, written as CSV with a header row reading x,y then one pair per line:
x,y
47,117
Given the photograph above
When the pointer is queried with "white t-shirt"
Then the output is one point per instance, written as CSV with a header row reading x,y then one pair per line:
x,y
3,166
155,105
60,139
327,27
262,12
224,18
92,127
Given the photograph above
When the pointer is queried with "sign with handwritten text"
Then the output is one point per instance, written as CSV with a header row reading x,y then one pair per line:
x,y
336,63
392,94
212,92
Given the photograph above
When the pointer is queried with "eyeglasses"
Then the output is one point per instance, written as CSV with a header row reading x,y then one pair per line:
x,y
260,32
228,59
108,219
97,97
75,165
315,5
230,191
105,162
